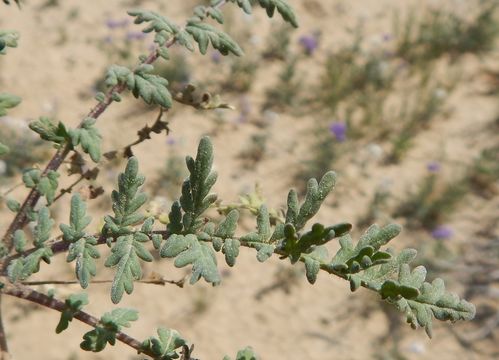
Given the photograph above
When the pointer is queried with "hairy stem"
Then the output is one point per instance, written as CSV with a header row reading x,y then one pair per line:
x,y
24,292
159,281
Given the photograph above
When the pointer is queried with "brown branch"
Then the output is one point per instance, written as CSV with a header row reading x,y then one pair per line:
x,y
4,349
24,292
153,281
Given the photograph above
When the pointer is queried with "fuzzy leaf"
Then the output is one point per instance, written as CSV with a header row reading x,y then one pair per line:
x,y
125,256
428,301
89,138
43,227
20,241
157,23
127,200
203,34
313,262
195,197
231,250
189,250
49,131
282,7
22,268
74,303
84,251
4,149
8,101
110,323
165,346
243,4
316,193
8,38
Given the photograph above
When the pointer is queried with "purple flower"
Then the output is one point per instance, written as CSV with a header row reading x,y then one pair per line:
x,y
433,167
339,130
114,24
442,232
216,57
387,37
170,141
135,35
310,43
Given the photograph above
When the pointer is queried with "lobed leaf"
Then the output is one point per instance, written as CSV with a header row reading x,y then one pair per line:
x,y
88,137
205,34
282,7
164,347
7,101
73,304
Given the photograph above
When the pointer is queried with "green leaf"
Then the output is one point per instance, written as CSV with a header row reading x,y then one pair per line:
x,y
31,177
316,193
97,339
263,234
48,131
227,226
7,101
125,256
88,137
8,38
22,268
195,197
84,251
245,354
4,149
243,4
47,185
231,250
313,262
203,34
366,253
157,23
151,88
20,241
165,346
43,227
13,205
77,219
110,323
73,304
126,200
282,7
431,300
188,250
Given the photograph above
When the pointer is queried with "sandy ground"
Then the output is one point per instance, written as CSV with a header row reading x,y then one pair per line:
x,y
54,69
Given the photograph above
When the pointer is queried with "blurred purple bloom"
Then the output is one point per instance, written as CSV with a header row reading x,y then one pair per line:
x,y
442,233
114,24
135,35
387,37
433,167
339,130
310,43
170,141
216,57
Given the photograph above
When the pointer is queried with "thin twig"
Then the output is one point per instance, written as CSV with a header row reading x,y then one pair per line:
x,y
24,292
4,349
159,281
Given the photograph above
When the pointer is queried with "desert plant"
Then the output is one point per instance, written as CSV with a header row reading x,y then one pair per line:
x,y
192,237
440,32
